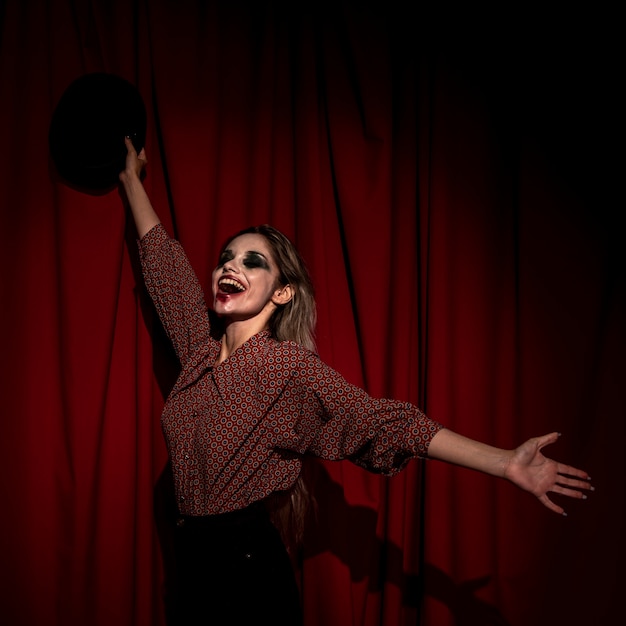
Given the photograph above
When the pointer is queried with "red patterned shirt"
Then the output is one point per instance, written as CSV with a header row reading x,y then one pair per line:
x,y
236,432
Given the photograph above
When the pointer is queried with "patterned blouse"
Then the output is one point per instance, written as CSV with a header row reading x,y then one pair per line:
x,y
237,431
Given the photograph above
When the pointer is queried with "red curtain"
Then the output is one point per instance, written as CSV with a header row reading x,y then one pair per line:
x,y
448,179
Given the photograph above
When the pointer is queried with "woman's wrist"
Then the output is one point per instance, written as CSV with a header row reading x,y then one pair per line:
x,y
453,448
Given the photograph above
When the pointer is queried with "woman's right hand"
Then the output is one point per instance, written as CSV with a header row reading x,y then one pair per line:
x,y
130,177
135,163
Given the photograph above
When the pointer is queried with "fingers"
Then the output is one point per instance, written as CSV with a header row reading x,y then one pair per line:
x,y
570,492
567,474
546,440
574,472
129,144
576,479
559,510
569,487
130,148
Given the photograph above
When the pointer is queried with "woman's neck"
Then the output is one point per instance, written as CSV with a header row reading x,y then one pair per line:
x,y
235,335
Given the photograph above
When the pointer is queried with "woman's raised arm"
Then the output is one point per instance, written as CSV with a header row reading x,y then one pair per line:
x,y
143,213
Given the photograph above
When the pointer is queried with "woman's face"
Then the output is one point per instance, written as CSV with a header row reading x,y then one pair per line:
x,y
246,280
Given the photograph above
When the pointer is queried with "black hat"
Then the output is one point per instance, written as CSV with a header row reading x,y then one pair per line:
x,y
88,127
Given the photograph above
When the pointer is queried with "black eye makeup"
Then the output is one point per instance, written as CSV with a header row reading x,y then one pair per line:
x,y
252,259
226,256
256,259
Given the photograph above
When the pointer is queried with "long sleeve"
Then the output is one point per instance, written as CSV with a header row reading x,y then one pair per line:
x,y
380,435
317,411
176,293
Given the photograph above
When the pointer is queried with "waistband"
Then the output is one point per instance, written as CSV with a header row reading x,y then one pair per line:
x,y
252,514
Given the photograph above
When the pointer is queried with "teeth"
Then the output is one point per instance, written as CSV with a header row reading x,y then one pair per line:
x,y
230,285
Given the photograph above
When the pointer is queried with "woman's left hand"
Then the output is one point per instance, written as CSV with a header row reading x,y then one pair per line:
x,y
530,470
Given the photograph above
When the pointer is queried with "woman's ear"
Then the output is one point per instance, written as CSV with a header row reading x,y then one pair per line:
x,y
282,295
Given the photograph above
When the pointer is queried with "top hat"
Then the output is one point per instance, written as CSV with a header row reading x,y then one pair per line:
x,y
88,127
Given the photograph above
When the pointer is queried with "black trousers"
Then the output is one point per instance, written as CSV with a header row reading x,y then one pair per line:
x,y
233,569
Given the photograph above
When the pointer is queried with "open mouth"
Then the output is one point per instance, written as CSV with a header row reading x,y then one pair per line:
x,y
229,285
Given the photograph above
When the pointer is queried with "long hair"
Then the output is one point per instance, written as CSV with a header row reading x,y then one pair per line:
x,y
293,321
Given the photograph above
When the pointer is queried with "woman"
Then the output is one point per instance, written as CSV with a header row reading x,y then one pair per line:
x,y
253,397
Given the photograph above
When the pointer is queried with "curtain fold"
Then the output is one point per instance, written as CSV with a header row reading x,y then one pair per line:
x,y
451,188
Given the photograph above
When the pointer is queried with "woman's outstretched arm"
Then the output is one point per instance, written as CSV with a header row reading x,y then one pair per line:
x,y
525,466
